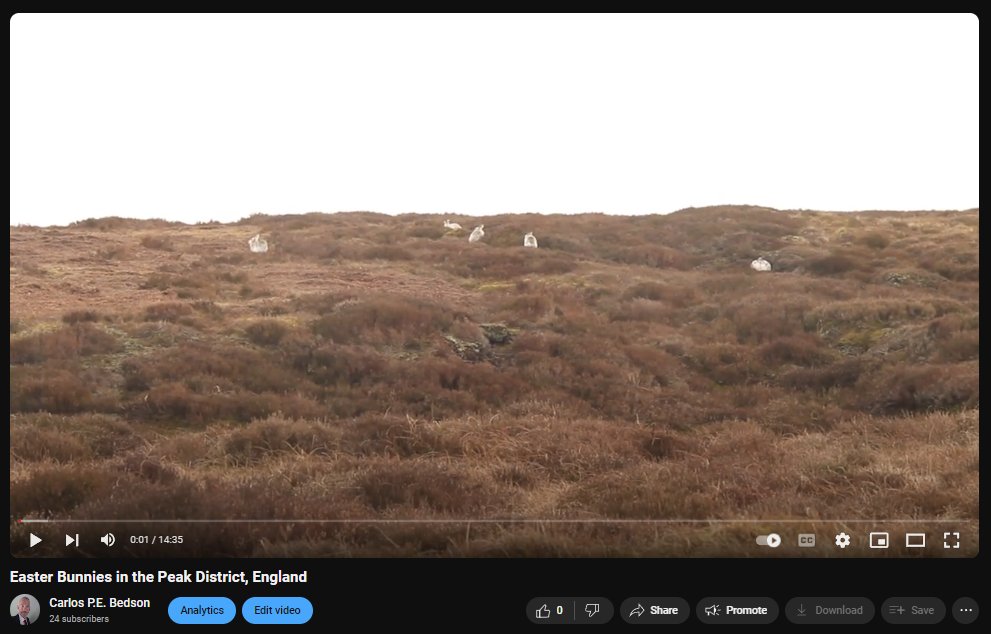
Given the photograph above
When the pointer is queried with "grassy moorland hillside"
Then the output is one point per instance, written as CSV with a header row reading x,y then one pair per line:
x,y
370,367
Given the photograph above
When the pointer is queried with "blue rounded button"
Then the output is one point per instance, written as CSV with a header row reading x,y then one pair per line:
x,y
202,610
277,610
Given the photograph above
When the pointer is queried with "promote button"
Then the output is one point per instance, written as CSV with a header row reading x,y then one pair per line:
x,y
277,610
202,610
737,610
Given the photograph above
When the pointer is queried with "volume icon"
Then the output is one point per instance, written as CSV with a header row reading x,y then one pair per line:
x,y
108,539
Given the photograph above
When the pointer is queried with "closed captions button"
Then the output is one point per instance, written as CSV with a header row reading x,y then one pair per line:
x,y
277,610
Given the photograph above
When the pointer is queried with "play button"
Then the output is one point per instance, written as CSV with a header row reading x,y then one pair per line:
x,y
34,540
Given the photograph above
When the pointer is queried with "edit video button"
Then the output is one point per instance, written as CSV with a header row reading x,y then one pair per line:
x,y
202,610
277,610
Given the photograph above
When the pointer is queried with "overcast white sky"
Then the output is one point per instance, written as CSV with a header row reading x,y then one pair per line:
x,y
216,117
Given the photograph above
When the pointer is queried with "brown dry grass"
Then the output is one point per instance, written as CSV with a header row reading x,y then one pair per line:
x,y
582,399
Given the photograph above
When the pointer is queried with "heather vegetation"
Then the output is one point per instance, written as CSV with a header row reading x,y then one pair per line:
x,y
377,367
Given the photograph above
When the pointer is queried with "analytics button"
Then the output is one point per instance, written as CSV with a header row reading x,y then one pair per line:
x,y
277,610
202,610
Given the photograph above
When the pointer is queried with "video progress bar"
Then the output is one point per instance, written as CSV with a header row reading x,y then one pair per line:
x,y
483,521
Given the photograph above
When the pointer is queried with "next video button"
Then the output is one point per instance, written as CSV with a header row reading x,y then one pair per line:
x,y
277,610
202,610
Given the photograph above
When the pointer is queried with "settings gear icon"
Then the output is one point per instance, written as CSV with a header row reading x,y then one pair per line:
x,y
842,540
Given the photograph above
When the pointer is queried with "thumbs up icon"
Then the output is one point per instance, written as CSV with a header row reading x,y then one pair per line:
x,y
543,612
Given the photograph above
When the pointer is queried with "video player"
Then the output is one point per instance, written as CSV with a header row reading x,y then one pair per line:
x,y
603,319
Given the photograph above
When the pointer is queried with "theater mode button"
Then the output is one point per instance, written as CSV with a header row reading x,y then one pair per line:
x,y
277,610
202,610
